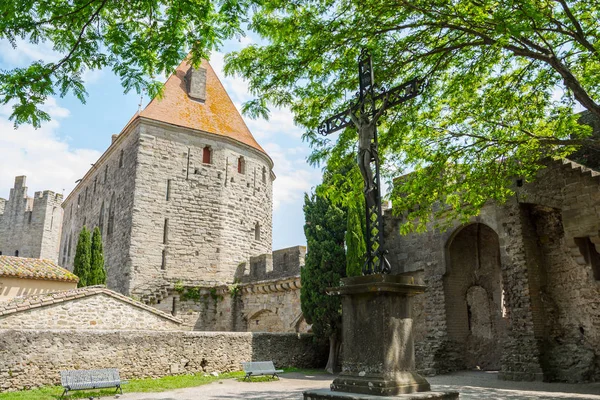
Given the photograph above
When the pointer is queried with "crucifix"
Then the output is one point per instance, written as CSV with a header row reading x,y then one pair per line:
x,y
364,115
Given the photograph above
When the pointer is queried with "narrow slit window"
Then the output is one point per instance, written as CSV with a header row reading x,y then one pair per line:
x,y
16,253
69,249
257,231
241,165
111,216
101,219
207,155
168,190
105,174
163,264
166,231
264,175
121,159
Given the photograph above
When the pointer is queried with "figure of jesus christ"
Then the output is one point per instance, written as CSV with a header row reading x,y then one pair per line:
x,y
367,149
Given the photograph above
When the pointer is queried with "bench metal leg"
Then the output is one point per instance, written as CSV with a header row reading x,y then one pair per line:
x,y
62,396
248,376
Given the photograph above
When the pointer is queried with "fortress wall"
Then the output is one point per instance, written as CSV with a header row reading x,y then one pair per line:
x,y
210,213
104,198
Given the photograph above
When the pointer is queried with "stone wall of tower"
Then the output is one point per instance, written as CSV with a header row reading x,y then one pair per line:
x,y
104,198
216,217
30,226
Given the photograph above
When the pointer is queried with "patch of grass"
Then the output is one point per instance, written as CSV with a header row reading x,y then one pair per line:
x,y
134,385
263,378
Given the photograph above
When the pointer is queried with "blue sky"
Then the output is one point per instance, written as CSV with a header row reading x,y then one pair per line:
x,y
54,156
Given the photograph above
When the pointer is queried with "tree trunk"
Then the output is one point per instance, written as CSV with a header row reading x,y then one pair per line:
x,y
334,352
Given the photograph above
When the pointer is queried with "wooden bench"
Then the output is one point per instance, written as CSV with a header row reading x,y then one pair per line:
x,y
257,368
90,379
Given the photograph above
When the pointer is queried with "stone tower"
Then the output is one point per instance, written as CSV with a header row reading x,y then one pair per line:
x,y
30,226
182,195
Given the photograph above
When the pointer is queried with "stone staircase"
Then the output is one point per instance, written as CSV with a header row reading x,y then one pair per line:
x,y
155,295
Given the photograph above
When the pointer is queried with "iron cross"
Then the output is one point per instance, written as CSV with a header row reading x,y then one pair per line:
x,y
364,115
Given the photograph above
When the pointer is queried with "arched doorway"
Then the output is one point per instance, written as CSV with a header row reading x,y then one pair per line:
x,y
473,296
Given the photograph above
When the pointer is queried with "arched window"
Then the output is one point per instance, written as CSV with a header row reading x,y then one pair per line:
x,y
121,159
241,165
111,216
207,155
257,231
264,175
101,219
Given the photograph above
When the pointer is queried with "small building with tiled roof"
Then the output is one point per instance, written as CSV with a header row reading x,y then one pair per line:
x,y
20,276
91,307
183,194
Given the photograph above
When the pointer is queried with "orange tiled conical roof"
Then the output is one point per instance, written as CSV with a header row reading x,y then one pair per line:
x,y
216,115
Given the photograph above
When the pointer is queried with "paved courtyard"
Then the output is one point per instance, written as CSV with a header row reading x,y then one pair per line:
x,y
471,385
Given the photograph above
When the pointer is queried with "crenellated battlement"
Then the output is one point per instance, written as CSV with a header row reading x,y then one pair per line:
x,y
30,226
282,263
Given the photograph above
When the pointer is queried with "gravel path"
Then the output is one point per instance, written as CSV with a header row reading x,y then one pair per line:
x,y
471,385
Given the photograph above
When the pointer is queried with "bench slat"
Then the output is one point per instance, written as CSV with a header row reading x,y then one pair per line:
x,y
90,379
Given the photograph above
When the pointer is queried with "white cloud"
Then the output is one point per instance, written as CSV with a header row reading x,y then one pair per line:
x,y
47,161
26,52
294,175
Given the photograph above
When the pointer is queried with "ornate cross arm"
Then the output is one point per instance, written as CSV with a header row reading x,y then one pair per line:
x,y
401,93
335,123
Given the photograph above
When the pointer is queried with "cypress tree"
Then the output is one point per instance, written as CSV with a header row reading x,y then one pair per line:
x,y
325,264
82,262
97,271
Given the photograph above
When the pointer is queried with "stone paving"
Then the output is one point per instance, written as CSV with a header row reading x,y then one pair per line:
x,y
471,385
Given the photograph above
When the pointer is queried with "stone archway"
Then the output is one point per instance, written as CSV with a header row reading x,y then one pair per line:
x,y
474,297
265,321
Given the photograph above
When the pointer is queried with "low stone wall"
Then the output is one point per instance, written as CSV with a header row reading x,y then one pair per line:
x,y
33,358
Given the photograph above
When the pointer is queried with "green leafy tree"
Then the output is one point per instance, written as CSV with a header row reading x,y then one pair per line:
x,y
97,272
355,237
502,80
82,262
136,39
325,264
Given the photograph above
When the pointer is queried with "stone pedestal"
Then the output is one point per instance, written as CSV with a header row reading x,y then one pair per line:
x,y
378,346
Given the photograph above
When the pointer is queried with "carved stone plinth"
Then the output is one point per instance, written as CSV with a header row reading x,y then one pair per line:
x,y
378,350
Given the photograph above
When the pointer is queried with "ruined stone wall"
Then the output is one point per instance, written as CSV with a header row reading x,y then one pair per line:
x,y
264,306
105,198
214,217
30,226
29,358
549,271
93,312
264,298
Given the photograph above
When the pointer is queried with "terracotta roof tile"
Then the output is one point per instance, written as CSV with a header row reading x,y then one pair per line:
x,y
34,268
216,115
25,303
